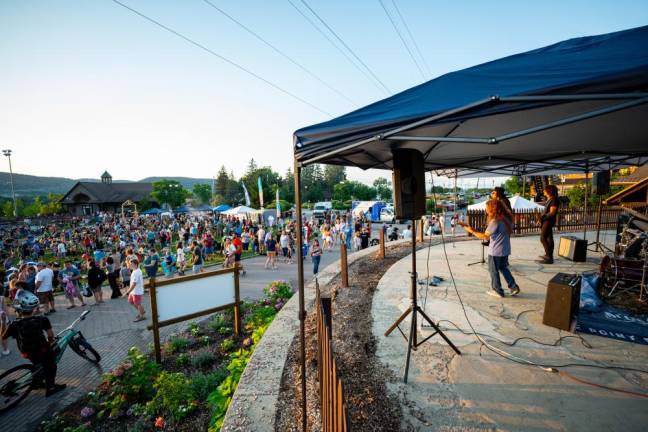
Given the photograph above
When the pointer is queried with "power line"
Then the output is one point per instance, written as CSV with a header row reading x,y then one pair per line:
x,y
278,51
328,38
223,58
347,47
400,36
418,50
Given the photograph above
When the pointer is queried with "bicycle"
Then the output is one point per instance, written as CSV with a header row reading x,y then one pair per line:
x,y
17,382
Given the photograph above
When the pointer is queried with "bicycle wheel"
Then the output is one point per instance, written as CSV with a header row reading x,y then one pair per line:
x,y
83,348
15,385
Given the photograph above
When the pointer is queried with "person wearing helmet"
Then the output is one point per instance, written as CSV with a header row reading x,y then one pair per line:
x,y
29,330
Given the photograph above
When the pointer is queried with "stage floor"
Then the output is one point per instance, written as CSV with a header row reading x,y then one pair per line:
x,y
480,390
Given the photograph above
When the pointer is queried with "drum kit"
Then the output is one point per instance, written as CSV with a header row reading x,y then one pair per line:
x,y
627,269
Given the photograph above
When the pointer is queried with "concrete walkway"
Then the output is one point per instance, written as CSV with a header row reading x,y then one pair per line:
x,y
480,390
111,331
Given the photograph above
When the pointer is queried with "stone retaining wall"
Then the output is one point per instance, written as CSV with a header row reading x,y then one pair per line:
x,y
254,403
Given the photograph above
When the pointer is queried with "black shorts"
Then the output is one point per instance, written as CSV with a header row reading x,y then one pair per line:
x,y
237,257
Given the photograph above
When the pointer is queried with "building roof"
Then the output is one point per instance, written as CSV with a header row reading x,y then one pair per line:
x,y
637,175
105,174
636,193
108,192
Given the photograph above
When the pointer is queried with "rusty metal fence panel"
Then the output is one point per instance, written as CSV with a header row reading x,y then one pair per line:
x,y
333,403
569,219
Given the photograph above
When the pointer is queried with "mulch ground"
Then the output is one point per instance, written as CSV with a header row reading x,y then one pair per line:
x,y
370,406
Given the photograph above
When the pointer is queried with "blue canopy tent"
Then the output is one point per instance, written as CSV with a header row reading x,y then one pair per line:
x,y
221,208
577,105
153,211
181,209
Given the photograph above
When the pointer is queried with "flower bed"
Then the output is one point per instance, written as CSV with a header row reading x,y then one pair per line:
x,y
190,390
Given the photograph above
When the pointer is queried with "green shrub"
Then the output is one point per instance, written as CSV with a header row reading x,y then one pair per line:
x,y
194,329
227,345
278,290
203,384
173,396
177,344
225,331
205,340
220,398
202,360
216,323
130,382
182,360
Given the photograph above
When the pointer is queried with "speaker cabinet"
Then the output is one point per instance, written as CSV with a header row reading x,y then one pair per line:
x,y
600,182
572,248
561,303
408,183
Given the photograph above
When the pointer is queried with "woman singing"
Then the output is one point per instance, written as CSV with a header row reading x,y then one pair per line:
x,y
499,233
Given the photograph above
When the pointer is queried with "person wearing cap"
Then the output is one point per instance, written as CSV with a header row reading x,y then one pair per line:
x,y
30,330
45,287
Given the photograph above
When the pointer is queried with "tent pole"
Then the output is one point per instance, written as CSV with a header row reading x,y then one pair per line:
x,y
587,186
300,284
523,186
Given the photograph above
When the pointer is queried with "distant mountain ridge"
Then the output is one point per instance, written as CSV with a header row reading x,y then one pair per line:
x,y
29,185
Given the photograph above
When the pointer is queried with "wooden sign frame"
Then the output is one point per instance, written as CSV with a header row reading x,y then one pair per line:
x,y
154,285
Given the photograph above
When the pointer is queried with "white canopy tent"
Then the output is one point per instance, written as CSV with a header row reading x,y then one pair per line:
x,y
517,203
242,211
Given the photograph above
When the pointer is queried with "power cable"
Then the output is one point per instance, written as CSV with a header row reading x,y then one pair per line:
x,y
400,36
347,47
545,367
278,51
221,57
328,38
418,50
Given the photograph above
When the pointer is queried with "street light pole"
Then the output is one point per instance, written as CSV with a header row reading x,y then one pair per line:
x,y
7,153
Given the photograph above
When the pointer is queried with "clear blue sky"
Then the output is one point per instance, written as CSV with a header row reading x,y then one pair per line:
x,y
87,85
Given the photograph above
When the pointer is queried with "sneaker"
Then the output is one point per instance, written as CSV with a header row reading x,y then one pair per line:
x,y
546,261
52,310
494,293
6,352
53,390
515,290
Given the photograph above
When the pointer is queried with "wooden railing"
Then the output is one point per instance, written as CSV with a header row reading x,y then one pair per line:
x,y
569,219
333,406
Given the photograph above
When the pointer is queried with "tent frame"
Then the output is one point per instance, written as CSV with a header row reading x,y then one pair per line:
x,y
630,100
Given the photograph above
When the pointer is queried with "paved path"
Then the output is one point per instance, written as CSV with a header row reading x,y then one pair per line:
x,y
111,331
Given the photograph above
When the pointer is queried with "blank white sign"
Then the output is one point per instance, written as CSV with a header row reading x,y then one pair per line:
x,y
195,295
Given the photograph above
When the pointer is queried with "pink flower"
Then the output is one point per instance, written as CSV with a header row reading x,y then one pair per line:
x,y
87,412
119,371
159,422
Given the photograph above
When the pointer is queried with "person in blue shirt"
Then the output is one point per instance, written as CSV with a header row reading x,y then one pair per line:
x,y
499,233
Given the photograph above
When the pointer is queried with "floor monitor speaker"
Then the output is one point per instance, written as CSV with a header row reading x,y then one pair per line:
x,y
561,302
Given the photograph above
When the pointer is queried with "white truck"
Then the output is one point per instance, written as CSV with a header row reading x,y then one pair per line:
x,y
321,209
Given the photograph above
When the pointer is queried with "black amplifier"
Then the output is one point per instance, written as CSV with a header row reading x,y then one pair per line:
x,y
561,303
572,248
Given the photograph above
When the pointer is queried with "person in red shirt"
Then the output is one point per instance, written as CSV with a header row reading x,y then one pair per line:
x,y
238,244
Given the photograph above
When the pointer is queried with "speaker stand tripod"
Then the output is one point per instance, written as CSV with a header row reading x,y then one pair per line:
x,y
415,310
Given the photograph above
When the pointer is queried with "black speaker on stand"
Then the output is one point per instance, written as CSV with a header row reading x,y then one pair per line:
x,y
409,203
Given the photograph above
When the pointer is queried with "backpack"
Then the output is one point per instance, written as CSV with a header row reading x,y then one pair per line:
x,y
29,335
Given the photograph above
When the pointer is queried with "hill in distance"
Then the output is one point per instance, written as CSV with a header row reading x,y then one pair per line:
x,y
29,185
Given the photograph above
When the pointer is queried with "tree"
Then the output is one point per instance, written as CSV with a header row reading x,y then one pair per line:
x,y
221,182
202,192
169,192
353,190
333,174
513,185
287,187
383,189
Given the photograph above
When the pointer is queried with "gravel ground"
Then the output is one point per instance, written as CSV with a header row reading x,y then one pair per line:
x,y
371,407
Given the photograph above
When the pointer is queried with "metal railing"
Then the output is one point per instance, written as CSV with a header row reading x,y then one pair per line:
x,y
331,390
569,219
